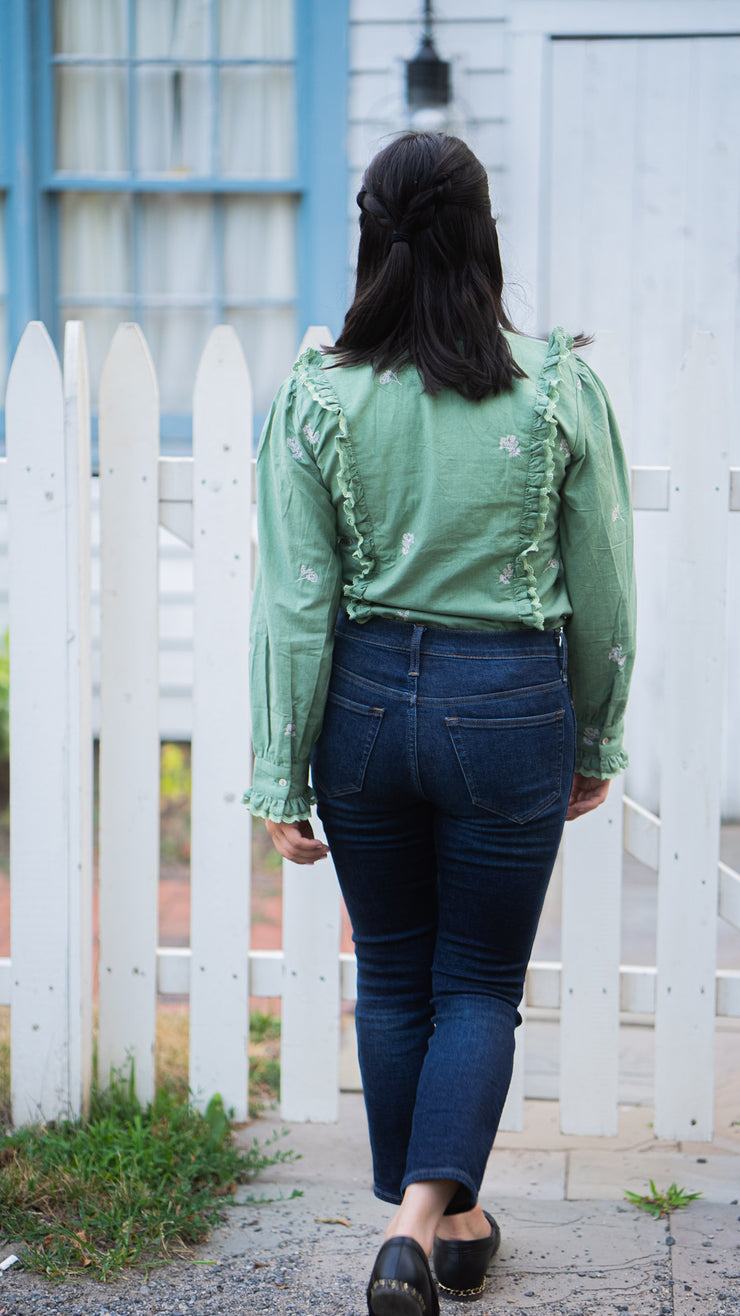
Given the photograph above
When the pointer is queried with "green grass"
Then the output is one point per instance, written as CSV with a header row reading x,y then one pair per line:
x,y
659,1204
130,1185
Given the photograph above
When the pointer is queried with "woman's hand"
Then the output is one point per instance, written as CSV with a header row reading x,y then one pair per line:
x,y
296,842
586,793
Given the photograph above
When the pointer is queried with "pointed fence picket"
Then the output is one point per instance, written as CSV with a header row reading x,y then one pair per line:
x,y
49,712
128,428
79,698
206,501
220,825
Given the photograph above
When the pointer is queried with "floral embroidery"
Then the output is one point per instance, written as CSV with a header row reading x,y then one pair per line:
x,y
403,614
408,540
295,448
553,564
313,436
617,656
506,574
617,515
390,377
510,444
290,730
590,735
308,573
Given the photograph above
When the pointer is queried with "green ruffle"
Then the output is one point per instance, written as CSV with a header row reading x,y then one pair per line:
x,y
603,765
295,809
539,477
308,372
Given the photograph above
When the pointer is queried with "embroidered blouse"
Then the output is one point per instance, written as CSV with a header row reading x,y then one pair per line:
x,y
494,515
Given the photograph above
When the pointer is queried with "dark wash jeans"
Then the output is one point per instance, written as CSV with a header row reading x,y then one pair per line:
x,y
443,772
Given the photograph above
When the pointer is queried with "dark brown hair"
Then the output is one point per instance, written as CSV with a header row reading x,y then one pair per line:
x,y
429,278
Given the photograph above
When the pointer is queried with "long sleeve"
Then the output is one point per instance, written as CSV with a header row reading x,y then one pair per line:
x,y
596,546
294,610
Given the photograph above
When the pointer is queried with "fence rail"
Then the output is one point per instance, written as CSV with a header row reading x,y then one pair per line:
x,y
206,501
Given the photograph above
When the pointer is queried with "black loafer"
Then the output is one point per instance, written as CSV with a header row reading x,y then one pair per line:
x,y
461,1265
401,1283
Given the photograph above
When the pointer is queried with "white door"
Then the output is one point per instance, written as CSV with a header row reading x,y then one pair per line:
x,y
640,233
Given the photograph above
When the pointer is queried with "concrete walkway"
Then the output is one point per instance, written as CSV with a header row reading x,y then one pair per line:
x,y
571,1243
572,1246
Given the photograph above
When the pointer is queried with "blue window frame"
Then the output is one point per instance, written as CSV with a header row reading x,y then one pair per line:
x,y
136,187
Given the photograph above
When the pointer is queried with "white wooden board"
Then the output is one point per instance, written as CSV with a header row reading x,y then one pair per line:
x,y
129,725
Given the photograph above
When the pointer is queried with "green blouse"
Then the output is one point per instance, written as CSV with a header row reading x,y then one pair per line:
x,y
495,515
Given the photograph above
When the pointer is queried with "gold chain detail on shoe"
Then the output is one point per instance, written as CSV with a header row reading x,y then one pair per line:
x,y
400,1286
462,1293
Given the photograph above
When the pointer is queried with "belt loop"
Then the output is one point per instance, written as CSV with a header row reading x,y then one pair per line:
x,y
416,635
562,652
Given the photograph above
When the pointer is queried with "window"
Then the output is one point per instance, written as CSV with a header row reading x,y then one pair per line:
x,y
178,147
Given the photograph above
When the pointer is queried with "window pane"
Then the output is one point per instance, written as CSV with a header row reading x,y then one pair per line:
x,y
258,122
87,27
259,247
176,339
100,326
257,29
177,246
270,342
91,120
172,28
174,121
94,245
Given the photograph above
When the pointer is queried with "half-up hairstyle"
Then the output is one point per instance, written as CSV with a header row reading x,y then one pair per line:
x,y
429,277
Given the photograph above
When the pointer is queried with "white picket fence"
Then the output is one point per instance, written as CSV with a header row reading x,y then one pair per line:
x,y
206,501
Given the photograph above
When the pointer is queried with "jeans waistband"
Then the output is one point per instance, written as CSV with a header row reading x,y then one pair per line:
x,y
449,640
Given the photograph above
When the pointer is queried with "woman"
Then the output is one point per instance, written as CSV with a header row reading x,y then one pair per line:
x,y
445,544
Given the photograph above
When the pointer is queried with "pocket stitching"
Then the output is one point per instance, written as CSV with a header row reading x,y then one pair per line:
x,y
466,767
375,717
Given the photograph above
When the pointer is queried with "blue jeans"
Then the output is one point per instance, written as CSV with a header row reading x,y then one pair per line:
x,y
443,772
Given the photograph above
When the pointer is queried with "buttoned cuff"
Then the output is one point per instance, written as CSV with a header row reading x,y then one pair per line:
x,y
604,760
278,794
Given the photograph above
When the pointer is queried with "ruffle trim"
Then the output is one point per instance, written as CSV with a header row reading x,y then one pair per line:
x,y
295,809
308,371
604,765
540,475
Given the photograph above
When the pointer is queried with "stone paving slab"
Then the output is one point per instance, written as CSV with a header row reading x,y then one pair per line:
x,y
706,1260
602,1176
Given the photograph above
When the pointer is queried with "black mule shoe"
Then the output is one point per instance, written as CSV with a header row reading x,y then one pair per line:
x,y
460,1265
401,1283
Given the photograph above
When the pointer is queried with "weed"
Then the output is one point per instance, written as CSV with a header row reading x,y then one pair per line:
x,y
660,1204
129,1185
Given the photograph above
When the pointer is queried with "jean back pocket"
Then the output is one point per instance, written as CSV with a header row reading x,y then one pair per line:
x,y
342,751
512,766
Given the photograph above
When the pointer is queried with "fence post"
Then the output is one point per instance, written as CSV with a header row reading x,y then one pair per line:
x,y
589,1000
129,722
591,906
220,827
79,745
41,504
309,1053
692,735
309,1056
